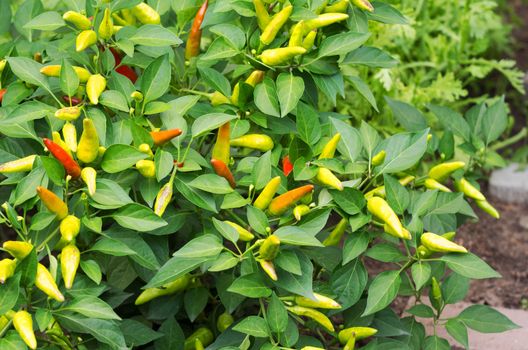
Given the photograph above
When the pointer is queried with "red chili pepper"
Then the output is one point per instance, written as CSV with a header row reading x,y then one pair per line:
x,y
74,101
222,170
287,166
71,166
2,93
163,136
192,49
127,71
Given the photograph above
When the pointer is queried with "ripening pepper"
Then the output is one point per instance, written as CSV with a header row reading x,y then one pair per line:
x,y
254,78
203,334
52,202
95,86
7,269
325,177
221,148
381,209
146,14
336,234
54,71
122,69
224,321
58,140
164,136
435,185
488,208
278,56
71,100
68,113
69,227
320,302
277,21
2,93
323,20
85,39
163,198
3,64
23,324
69,259
88,147
222,170
260,142
18,249
192,48
217,98
469,190
263,17
19,165
147,168
178,285
378,158
265,197
309,40
287,166
244,235
281,203
269,269
106,28
45,282
269,248
340,6
89,177
330,147
70,136
315,315
80,21
437,243
441,171
363,5
360,332
300,210
297,35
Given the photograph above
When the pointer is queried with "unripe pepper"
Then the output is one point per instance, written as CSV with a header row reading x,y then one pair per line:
x,y
441,171
278,56
192,48
435,185
330,147
85,39
221,149
198,344
437,243
78,20
145,149
269,248
300,210
69,227
69,259
281,203
309,40
297,35
222,170
260,142
287,166
23,324
380,208
276,23
469,190
147,168
19,165
269,269
378,158
164,136
323,20
203,334
315,315
424,253
244,235
336,234
436,294
106,27
58,140
363,5
224,321
320,302
18,249
265,197
146,14
95,86
52,202
89,176
88,147
45,282
254,78
7,269
488,208
178,285
54,71
68,113
325,177
70,136
360,332
340,6
263,17
163,198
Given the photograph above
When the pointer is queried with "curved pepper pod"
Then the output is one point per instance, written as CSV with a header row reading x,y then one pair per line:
x,y
70,136
283,202
309,40
217,98
336,234
320,302
222,170
163,198
275,24
441,171
53,202
311,348
390,231
69,227
192,48
300,210
469,190
488,208
224,321
315,315
7,269
147,168
360,332
178,285
85,39
145,148
265,197
58,140
325,177
378,158
263,17
323,20
18,249
269,248
330,147
95,86
435,185
260,142
363,5
203,334
423,252
340,6
68,113
164,136
88,147
69,259
80,21
297,35
221,149
254,78
287,166
244,235
436,294
146,14
278,56
106,28
19,165
55,69
269,269
23,324
89,177
437,243
71,166
2,93
45,282
381,209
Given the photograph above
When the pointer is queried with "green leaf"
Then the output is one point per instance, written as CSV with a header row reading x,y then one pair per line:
x,y
48,21
296,236
209,122
120,157
370,57
290,88
92,270
137,333
350,200
195,301
385,13
154,35
106,331
197,197
385,252
342,43
155,80
109,195
26,188
226,230
397,196
350,143
364,90
403,152
231,33
250,286
114,99
219,49
452,120
458,331
484,319
111,246
355,245
421,272
421,310
11,340
29,71
308,126
436,343
9,293
348,282
408,116
495,121
382,291
469,265
295,283
92,307
262,171
455,288
257,219
138,217
277,315
215,80
266,97
69,80
203,246
225,261
211,183
253,325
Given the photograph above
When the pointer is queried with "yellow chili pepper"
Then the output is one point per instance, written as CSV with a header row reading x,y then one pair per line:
x,y
325,177
78,20
146,14
320,302
378,158
437,243
88,147
297,35
70,136
435,185
441,171
337,233
330,147
85,39
488,208
360,332
260,142
203,334
69,259
106,28
300,210
323,20
145,148
424,253
381,209
269,248
276,23
18,249
7,269
69,227
23,324
254,78
309,40
178,285
269,269
94,88
45,282
52,202
147,168
19,165
244,235
266,196
68,113
263,17
315,315
363,5
469,190
340,6
224,321
89,176
278,56
221,149
54,71
281,203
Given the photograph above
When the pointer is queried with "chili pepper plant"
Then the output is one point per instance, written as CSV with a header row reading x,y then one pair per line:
x,y
169,183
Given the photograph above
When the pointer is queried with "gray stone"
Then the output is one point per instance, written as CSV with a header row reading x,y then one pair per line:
x,y
510,184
